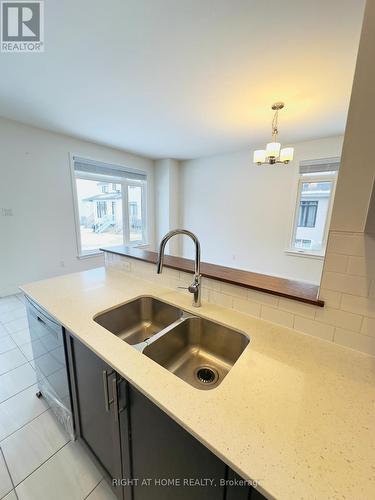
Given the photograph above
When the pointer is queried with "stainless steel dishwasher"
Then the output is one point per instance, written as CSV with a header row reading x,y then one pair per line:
x,y
49,351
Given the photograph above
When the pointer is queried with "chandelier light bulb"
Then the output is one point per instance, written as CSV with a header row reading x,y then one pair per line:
x,y
259,156
286,155
273,149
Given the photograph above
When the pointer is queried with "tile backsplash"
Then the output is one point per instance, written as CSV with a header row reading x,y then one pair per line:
x,y
348,289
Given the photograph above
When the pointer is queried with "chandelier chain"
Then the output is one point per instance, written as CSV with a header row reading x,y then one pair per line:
x,y
275,125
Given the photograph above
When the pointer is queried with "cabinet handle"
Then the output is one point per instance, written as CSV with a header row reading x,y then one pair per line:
x,y
105,386
115,398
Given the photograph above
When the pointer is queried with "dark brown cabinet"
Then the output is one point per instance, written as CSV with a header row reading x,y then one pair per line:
x,y
176,465
135,442
97,394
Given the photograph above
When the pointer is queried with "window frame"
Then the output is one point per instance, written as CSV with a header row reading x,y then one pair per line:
x,y
81,254
312,177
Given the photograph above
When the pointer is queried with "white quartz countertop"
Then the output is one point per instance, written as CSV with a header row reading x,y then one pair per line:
x,y
295,413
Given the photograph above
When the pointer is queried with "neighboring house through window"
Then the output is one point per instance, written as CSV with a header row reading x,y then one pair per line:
x,y
110,205
307,213
316,188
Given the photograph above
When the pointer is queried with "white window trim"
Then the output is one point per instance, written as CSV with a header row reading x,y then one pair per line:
x,y
88,176
311,254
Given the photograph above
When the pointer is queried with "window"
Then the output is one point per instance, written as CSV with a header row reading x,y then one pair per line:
x,y
109,204
307,213
302,243
316,188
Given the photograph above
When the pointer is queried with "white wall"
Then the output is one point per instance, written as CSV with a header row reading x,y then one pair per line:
x,y
167,203
242,213
39,240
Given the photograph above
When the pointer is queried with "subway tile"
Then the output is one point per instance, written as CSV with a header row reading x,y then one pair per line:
x,y
338,318
346,243
336,262
355,341
356,285
174,284
295,307
211,284
235,291
186,279
205,294
277,316
368,327
361,266
167,271
220,299
330,297
358,305
263,298
313,327
246,306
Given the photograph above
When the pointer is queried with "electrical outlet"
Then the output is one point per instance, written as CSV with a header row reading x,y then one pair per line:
x,y
6,212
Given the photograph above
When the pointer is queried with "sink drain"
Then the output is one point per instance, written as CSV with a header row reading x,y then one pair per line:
x,y
206,375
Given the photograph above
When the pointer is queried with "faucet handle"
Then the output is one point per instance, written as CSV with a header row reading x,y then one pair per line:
x,y
193,288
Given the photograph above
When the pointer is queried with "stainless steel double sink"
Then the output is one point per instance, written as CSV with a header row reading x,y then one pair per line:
x,y
199,351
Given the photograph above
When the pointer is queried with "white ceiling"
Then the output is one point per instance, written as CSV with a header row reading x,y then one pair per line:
x,y
187,78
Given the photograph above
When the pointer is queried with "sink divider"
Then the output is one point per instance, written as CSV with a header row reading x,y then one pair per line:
x,y
142,345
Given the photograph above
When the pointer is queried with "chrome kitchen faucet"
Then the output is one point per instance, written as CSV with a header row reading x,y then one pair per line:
x,y
195,287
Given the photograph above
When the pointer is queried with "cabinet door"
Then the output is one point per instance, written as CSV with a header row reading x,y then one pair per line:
x,y
94,390
162,451
236,490
123,400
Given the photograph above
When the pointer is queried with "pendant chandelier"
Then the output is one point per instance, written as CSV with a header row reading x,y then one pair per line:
x,y
273,152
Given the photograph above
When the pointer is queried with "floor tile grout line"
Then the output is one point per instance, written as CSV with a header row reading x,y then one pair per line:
x,y
9,474
11,349
45,461
16,311
15,368
4,323
84,498
18,392
24,425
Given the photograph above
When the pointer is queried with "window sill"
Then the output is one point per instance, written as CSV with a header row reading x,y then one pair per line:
x,y
308,255
89,255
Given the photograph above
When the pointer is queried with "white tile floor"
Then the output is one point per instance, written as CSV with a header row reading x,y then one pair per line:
x,y
37,460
